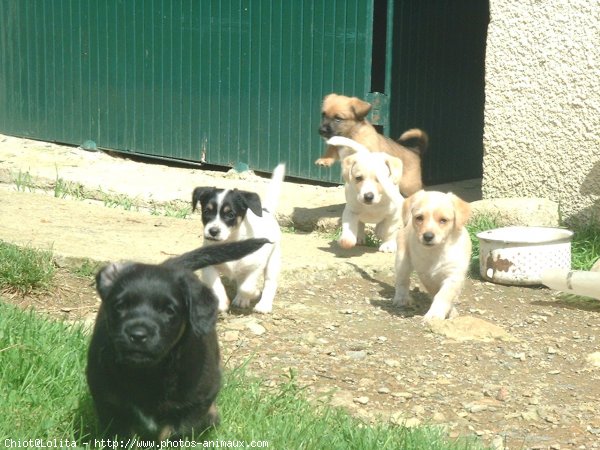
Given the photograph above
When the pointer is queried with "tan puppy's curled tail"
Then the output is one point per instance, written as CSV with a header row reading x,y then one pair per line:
x,y
415,140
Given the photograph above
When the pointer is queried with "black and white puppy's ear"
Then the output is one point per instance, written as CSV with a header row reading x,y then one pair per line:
x,y
252,201
201,195
201,302
108,275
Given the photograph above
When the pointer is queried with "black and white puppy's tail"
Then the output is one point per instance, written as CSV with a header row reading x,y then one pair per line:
x,y
215,254
271,199
347,146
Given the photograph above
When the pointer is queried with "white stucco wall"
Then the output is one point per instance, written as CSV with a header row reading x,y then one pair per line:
x,y
542,112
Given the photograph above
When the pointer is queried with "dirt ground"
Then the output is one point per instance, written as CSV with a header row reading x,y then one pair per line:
x,y
514,368
525,384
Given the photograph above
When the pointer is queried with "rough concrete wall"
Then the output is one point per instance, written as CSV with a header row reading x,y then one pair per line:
x,y
542,113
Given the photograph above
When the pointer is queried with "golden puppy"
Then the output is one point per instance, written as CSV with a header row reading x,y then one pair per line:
x,y
345,116
437,246
372,195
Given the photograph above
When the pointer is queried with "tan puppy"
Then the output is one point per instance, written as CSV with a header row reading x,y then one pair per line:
x,y
437,246
372,195
345,116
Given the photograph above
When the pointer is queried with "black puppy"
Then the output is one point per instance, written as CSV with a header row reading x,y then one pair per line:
x,y
153,362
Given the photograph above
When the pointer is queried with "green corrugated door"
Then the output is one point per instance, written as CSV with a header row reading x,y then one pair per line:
x,y
220,81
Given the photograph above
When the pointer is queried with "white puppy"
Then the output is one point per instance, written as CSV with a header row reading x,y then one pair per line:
x,y
234,215
372,194
437,246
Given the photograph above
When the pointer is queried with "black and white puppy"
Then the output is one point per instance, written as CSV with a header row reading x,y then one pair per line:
x,y
153,364
233,215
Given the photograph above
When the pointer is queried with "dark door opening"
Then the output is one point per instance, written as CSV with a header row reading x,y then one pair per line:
x,y
437,82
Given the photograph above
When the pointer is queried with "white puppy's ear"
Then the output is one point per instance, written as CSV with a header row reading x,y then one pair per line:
x,y
462,211
406,207
347,164
395,165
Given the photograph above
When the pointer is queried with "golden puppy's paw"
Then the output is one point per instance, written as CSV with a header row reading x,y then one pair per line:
x,y
388,247
325,162
346,242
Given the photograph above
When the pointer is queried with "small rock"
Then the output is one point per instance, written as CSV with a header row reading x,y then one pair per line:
x,y
231,336
256,328
593,359
402,395
363,400
356,355
383,390
502,394
531,414
391,363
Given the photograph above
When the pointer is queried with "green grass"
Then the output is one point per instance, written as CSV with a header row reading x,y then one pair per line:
x,y
585,247
44,395
23,181
24,269
65,189
42,383
86,268
119,201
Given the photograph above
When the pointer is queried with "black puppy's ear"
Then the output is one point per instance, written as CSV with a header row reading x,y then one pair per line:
x,y
252,201
202,305
108,275
201,195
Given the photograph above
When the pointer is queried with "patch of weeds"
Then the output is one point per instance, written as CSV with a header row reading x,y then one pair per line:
x,y
119,201
178,211
585,246
25,269
86,269
64,189
23,181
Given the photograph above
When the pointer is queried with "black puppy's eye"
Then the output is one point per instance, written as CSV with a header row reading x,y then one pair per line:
x,y
169,310
120,306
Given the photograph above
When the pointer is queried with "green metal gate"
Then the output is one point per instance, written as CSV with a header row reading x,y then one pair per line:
x,y
216,81
227,81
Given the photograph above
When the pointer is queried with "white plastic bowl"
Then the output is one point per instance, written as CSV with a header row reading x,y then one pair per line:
x,y
519,255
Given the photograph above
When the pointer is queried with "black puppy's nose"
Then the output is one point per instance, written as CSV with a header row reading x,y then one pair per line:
x,y
428,236
369,196
325,130
137,335
214,231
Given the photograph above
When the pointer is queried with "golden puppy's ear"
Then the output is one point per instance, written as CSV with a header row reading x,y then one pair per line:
x,y
408,204
360,107
462,211
406,207
347,164
395,166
